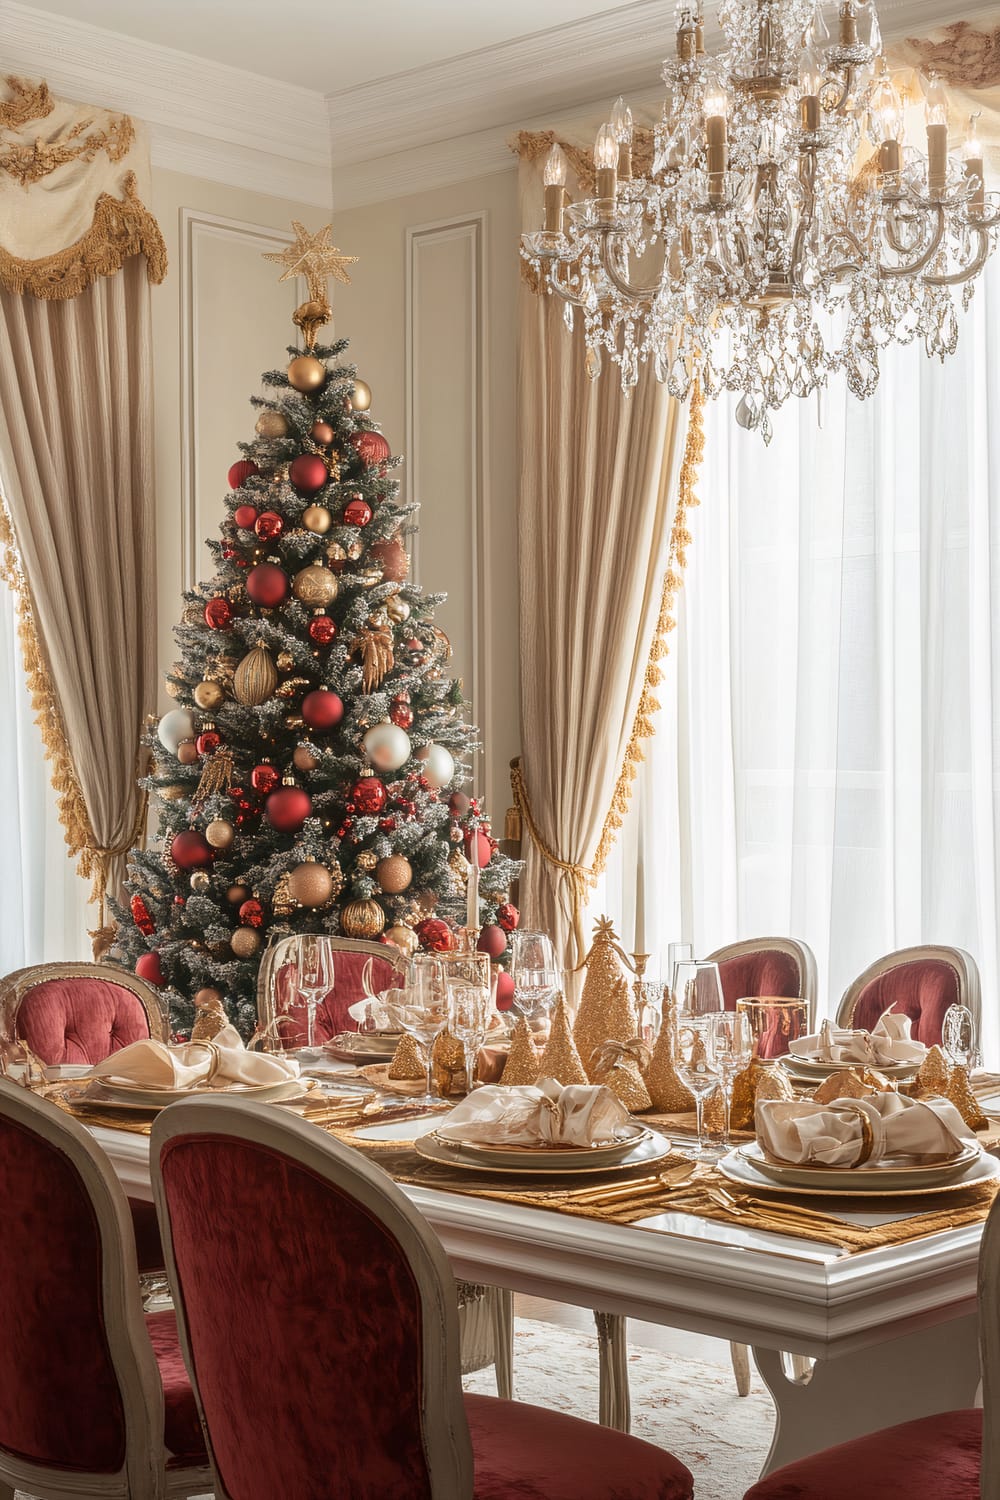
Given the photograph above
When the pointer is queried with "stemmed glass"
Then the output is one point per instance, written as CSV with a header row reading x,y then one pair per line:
x,y
534,972
425,1014
958,1036
732,1044
697,987
315,978
469,1001
696,1063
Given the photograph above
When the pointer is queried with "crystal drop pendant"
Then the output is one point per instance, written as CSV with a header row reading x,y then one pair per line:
x,y
746,413
592,363
875,33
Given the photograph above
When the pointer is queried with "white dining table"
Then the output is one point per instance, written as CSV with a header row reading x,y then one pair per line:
x,y
892,1330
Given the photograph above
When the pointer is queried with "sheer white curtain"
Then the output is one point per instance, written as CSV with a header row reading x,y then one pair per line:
x,y
43,910
828,752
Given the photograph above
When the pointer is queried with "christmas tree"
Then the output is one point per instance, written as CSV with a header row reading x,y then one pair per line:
x,y
310,777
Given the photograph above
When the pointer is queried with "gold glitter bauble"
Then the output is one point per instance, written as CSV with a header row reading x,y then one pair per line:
x,y
285,661
171,793
245,942
311,884
362,919
200,880
561,1060
397,609
408,1060
317,518
405,939
304,758
306,373
208,695
366,860
193,613
315,585
521,1066
187,752
361,396
394,874
220,833
256,677
272,424
336,553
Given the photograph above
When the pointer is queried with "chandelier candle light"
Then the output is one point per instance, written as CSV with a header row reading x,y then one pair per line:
x,y
794,234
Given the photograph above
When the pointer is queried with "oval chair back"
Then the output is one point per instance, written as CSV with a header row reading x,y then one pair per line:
x,y
78,1012
351,1317
778,966
356,964
922,982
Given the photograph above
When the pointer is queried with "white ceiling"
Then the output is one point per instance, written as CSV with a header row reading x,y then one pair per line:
x,y
329,45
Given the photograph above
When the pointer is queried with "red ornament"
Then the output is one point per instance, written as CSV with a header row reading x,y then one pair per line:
x,y
372,447
241,471
190,850
207,741
252,913
269,525
267,585
308,473
322,709
391,556
263,778
245,516
458,803
322,629
505,991
148,967
287,809
483,845
401,714
492,940
357,512
436,936
218,613
141,917
414,645
508,916
368,795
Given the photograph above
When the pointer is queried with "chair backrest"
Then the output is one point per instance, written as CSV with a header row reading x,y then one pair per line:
x,y
921,982
79,1387
276,985
78,1012
340,1305
779,966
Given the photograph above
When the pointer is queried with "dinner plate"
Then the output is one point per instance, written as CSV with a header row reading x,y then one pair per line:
x,y
370,1046
652,1148
736,1168
107,1091
815,1072
876,1179
555,1158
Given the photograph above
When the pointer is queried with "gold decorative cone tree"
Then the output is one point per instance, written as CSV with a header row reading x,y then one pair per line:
x,y
606,1012
310,777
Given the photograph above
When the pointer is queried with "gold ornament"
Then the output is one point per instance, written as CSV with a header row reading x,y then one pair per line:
x,y
405,939
245,941
934,1074
448,1065
187,752
193,613
313,884
397,608
306,373
208,695
256,677
375,649
617,1065
408,1060
606,1012
394,874
361,396
366,860
335,552
355,549
220,833
237,894
362,919
312,256
315,585
200,881
961,1095
285,661
317,518
272,424
304,758
669,1094
561,1060
521,1066
172,793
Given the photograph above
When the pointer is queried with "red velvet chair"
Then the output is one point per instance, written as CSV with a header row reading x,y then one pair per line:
x,y
921,982
782,967
953,1455
94,1400
80,1013
352,1320
276,979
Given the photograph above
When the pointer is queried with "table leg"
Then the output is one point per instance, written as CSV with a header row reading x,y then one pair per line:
x,y
615,1408
935,1369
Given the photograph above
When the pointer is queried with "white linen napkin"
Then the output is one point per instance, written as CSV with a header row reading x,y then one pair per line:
x,y
861,1132
888,1042
218,1063
546,1114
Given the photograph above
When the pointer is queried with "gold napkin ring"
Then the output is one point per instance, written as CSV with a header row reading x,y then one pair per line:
x,y
215,1058
867,1137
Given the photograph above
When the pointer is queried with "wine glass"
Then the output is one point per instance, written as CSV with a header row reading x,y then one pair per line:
x,y
425,1014
469,1017
696,1063
315,978
697,987
732,1044
534,972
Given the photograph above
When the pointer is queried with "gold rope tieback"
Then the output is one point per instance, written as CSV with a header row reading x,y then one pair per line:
x,y
580,877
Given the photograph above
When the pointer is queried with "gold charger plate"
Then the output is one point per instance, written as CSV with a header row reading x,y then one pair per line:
x,y
876,1178
744,1174
363,1046
556,1158
651,1149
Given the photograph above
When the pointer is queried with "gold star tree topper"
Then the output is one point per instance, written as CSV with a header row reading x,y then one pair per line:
x,y
312,256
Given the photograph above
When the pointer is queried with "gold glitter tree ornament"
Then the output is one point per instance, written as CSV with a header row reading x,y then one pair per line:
x,y
960,1093
619,1065
521,1066
606,1011
408,1059
561,1059
934,1074
669,1094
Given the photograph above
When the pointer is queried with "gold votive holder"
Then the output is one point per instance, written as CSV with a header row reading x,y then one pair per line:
x,y
775,1022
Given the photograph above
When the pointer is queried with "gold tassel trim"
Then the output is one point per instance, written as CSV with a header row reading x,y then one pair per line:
x,y
120,229
216,777
30,102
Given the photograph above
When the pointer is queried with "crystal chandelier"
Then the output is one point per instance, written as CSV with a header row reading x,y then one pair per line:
x,y
783,231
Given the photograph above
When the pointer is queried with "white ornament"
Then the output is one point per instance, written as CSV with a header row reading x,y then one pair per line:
x,y
388,747
176,725
439,766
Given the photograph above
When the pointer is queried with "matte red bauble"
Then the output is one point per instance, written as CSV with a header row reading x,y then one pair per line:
x,y
458,803
245,516
252,913
264,778
372,447
401,714
241,471
287,809
269,525
492,940
322,432
207,741
322,709
357,513
218,614
436,936
391,557
322,629
148,967
484,846
267,585
508,916
368,795
190,850
308,473
505,991
141,917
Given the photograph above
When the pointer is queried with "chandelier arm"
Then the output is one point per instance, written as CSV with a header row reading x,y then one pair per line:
x,y
634,294
573,298
913,267
845,91
956,278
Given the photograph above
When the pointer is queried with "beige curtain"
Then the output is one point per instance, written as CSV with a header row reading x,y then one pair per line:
x,y
596,507
76,453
